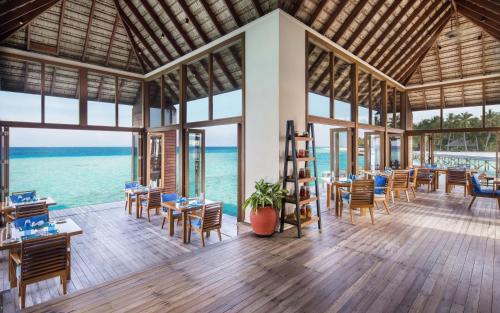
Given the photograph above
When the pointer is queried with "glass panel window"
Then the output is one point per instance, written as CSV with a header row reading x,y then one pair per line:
x,y
426,119
62,105
171,92
342,90
154,94
319,84
415,150
462,117
364,98
129,103
197,91
20,89
390,107
101,100
227,78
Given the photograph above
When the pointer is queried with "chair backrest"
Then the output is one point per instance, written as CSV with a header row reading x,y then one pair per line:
x,y
474,185
211,216
424,174
23,196
132,185
42,256
34,212
154,197
362,192
400,179
381,184
456,176
167,197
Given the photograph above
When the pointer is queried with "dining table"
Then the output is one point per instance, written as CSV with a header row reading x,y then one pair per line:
x,y
9,207
333,189
185,207
11,237
137,192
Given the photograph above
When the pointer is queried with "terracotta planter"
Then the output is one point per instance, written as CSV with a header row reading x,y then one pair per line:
x,y
264,221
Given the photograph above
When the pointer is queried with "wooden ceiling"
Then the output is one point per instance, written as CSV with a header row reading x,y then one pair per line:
x,y
399,37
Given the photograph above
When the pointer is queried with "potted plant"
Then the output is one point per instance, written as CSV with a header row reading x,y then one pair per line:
x,y
266,201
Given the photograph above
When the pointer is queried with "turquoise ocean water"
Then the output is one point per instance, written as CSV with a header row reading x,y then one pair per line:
x,y
76,176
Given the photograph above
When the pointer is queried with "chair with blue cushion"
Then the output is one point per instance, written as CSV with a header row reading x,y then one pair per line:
x,y
151,201
35,212
361,195
167,214
23,196
424,176
476,190
382,190
210,219
129,197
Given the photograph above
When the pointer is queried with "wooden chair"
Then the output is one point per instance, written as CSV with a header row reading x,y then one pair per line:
x,y
361,196
29,211
424,176
413,180
169,214
475,190
210,219
456,177
40,259
151,201
130,185
400,182
382,191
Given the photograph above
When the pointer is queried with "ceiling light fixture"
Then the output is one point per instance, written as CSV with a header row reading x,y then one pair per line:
x,y
186,20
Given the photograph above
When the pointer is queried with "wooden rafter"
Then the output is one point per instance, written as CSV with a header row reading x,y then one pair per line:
x,y
348,21
376,44
377,26
162,27
338,9
89,27
419,56
404,32
490,13
10,6
111,39
478,20
60,27
361,26
257,7
149,30
319,8
233,13
296,7
407,48
177,24
28,37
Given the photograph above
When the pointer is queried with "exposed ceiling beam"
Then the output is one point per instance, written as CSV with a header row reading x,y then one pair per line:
x,y
177,24
257,7
362,26
25,14
377,26
60,27
8,6
338,9
490,14
403,32
296,8
163,28
385,34
467,80
213,18
348,21
87,35
149,30
28,37
233,13
395,61
425,47
317,11
479,21
111,39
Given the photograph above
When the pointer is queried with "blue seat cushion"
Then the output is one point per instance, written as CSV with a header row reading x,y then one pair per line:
x,y
24,197
167,197
133,196
19,222
476,184
345,196
144,203
196,222
175,214
412,172
132,185
380,183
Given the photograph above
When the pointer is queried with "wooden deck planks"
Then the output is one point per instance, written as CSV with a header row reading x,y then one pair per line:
x,y
430,255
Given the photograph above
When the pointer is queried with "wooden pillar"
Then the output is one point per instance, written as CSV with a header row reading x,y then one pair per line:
x,y
385,142
42,93
83,96
145,104
210,86
162,101
182,130
441,99
117,114
169,164
331,82
354,115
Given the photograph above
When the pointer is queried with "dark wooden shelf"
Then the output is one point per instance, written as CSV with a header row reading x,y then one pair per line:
x,y
301,180
301,202
304,139
303,223
308,159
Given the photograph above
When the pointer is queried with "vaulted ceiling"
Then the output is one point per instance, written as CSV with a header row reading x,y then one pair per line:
x,y
413,41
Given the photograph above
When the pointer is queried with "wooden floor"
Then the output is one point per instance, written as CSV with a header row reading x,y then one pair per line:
x,y
113,244
431,255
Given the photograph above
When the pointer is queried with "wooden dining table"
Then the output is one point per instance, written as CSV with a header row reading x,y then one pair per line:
x,y
333,188
185,208
9,207
11,237
137,192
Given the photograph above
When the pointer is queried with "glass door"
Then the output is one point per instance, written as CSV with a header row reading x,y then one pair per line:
x,y
195,163
395,151
340,151
4,164
155,160
373,151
